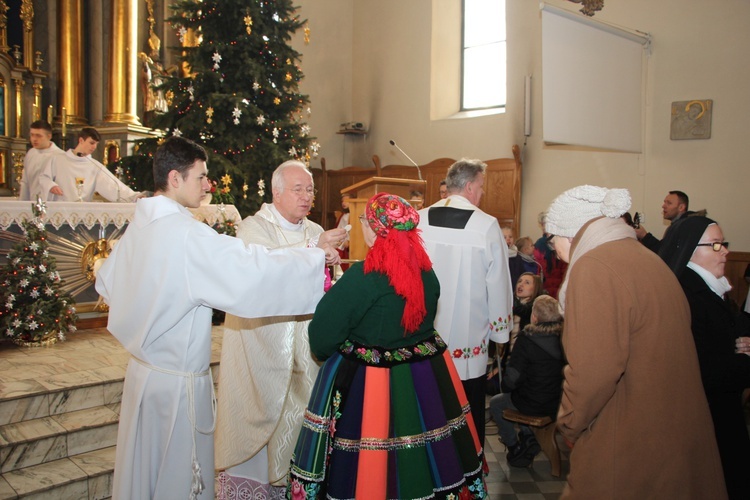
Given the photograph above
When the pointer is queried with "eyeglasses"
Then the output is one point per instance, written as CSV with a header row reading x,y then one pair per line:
x,y
715,246
299,192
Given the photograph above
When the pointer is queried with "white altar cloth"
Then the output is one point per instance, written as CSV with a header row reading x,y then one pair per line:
x,y
89,214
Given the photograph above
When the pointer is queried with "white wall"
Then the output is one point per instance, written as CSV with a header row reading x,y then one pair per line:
x,y
700,51
327,65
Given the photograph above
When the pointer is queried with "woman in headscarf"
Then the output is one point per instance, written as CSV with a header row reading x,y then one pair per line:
x,y
696,252
632,406
388,417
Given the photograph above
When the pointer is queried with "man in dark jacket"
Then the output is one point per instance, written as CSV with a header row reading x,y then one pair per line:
x,y
533,380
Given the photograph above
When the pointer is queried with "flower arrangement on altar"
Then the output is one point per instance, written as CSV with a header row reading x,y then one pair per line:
x,y
222,194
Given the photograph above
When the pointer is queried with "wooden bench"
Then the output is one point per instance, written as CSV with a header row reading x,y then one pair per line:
x,y
544,429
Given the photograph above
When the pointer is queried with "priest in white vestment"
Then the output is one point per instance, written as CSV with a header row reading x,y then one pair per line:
x,y
161,282
42,148
267,370
470,258
76,176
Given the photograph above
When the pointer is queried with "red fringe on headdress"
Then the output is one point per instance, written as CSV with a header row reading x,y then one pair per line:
x,y
401,257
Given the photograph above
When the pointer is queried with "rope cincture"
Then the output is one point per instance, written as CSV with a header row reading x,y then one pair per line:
x,y
196,486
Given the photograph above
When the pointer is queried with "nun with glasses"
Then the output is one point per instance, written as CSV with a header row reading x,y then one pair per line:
x,y
696,252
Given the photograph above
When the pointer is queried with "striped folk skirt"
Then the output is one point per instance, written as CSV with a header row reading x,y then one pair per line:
x,y
388,424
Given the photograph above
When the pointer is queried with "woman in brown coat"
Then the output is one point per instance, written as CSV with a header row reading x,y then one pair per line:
x,y
633,407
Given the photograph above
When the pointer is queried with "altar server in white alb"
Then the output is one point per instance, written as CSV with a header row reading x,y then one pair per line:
x,y
76,176
161,282
267,370
470,258
42,147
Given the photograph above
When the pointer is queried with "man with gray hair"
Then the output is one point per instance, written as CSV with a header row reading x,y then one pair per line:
x,y
470,258
267,370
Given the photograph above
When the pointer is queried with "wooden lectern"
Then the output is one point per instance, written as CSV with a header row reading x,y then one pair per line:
x,y
361,192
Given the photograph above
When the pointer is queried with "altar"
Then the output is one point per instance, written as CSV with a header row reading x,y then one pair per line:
x,y
81,232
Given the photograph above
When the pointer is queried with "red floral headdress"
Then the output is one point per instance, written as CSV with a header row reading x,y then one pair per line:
x,y
398,253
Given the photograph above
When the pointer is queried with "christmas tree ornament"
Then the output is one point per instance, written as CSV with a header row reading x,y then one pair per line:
x,y
209,114
216,58
307,34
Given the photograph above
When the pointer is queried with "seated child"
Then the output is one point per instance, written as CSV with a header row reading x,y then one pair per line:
x,y
533,380
528,288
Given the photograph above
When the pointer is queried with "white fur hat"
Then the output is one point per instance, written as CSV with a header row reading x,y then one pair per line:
x,y
576,206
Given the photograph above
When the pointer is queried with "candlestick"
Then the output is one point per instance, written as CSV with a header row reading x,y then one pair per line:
x,y
49,114
64,121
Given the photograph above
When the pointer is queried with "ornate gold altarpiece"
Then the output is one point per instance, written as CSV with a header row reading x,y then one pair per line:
x,y
75,232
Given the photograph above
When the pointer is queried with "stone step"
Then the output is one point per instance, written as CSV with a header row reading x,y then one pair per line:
x,y
46,439
79,477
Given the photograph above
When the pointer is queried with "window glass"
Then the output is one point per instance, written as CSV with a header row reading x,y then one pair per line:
x,y
484,55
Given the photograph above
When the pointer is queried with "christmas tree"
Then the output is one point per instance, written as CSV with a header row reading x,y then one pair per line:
x,y
34,310
236,94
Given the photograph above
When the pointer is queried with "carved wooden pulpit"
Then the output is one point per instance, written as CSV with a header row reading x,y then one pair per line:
x,y
361,192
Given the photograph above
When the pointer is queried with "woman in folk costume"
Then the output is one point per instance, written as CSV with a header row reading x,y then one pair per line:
x,y
696,252
388,417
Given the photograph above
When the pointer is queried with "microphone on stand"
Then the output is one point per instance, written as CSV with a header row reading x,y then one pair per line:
x,y
109,175
419,172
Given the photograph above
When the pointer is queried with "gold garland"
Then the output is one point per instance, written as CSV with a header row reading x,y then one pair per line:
x,y
46,340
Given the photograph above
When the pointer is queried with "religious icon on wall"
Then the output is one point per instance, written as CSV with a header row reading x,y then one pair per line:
x,y
691,119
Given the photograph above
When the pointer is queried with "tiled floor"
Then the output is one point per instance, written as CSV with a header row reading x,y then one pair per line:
x,y
90,357
510,483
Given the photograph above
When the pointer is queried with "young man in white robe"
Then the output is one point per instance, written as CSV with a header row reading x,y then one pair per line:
x,y
76,176
161,282
470,257
267,370
42,148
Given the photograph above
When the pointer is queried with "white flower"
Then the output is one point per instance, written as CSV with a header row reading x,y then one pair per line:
x,y
261,120
9,305
236,121
176,132
275,132
181,34
191,91
34,246
17,323
45,253
293,151
9,333
24,283
305,129
261,184
49,291
43,268
315,146
11,297
256,86
34,293
33,325
217,59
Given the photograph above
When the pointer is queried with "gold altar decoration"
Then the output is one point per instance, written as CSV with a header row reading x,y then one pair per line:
x,y
71,84
19,105
17,170
27,16
123,64
4,25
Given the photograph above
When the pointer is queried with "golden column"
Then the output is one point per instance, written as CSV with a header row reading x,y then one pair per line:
x,y
27,16
37,106
123,63
71,89
19,105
